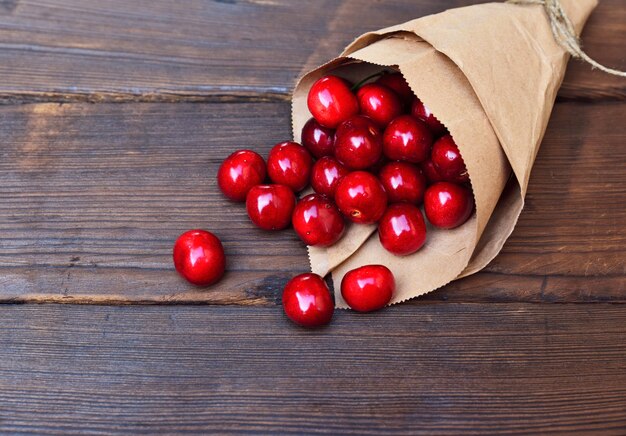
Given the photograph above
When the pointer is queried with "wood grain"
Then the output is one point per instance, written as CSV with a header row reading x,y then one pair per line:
x,y
202,50
433,369
93,196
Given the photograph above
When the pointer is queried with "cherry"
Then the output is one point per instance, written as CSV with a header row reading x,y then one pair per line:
x,y
331,101
358,143
361,197
399,85
407,139
307,301
419,110
290,164
430,171
448,205
326,174
317,221
402,230
319,140
379,103
239,173
368,288
448,161
199,257
270,206
403,182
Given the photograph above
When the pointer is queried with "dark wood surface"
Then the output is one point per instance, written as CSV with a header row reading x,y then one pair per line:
x,y
92,197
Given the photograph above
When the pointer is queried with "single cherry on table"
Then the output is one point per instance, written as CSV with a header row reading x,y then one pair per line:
x,y
447,159
407,139
358,143
402,230
326,174
319,140
270,206
317,221
379,103
307,301
368,288
331,101
199,257
361,197
448,205
403,182
289,164
239,173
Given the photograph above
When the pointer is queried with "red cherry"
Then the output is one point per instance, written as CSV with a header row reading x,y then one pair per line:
x,y
403,182
331,101
379,103
399,85
408,139
307,301
361,197
319,140
317,221
326,174
358,143
430,171
448,205
290,164
239,173
402,230
368,288
270,206
419,110
448,161
199,257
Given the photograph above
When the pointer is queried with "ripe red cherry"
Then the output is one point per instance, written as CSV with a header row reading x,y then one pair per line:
x,y
368,288
307,301
319,140
399,85
317,221
403,182
379,103
448,205
290,164
326,174
199,257
331,101
270,206
239,173
407,139
402,230
361,197
419,110
358,143
430,171
448,161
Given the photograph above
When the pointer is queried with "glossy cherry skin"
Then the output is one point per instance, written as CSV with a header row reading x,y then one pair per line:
x,y
397,83
402,229
331,101
307,301
361,197
448,205
430,171
199,257
239,173
326,174
270,206
319,140
317,221
358,143
290,164
419,110
379,103
448,161
368,288
407,139
403,182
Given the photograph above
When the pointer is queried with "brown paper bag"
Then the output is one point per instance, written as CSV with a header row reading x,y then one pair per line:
x,y
490,73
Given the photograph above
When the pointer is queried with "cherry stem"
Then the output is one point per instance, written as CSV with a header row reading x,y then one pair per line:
x,y
362,82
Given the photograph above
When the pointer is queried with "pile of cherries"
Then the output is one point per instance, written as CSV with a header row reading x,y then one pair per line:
x,y
373,153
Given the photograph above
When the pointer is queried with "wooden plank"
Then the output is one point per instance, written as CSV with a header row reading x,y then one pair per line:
x,y
432,369
93,196
158,50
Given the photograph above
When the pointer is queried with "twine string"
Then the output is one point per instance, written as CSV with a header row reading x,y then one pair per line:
x,y
565,34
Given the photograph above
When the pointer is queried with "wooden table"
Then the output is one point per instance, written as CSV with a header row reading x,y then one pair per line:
x,y
115,117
